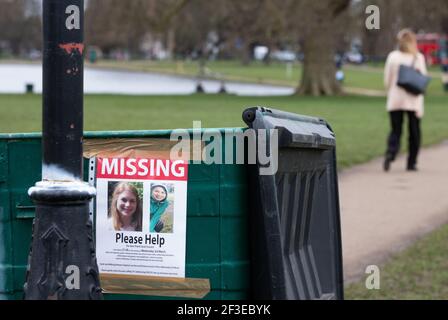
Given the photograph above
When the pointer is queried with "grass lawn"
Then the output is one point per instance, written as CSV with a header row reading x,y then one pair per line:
x,y
274,73
365,76
418,273
360,123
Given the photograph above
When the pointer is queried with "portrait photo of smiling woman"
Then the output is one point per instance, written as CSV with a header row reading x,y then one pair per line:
x,y
125,206
161,208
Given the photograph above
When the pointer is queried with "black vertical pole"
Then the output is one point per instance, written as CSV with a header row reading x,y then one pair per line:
x,y
63,87
62,262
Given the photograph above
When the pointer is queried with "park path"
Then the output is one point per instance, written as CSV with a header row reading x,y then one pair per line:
x,y
382,213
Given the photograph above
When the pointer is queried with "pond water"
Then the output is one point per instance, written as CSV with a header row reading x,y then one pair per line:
x,y
15,77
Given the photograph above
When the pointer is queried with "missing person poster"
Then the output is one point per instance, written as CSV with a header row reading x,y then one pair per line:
x,y
141,207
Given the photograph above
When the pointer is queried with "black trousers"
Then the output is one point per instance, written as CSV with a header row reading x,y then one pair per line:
x,y
393,142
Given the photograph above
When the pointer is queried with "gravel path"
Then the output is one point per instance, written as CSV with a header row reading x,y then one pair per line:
x,y
382,213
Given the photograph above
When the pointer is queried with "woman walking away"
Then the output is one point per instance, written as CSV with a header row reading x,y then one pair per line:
x,y
401,102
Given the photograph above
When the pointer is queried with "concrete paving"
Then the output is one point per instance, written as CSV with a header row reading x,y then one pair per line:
x,y
383,213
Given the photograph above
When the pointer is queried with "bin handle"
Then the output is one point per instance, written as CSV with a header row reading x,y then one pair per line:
x,y
25,207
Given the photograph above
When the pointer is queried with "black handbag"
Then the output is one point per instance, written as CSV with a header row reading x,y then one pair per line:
x,y
412,80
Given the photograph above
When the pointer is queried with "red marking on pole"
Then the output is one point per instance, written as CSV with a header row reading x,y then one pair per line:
x,y
70,47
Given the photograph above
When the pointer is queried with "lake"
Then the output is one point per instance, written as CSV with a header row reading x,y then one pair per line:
x,y
15,77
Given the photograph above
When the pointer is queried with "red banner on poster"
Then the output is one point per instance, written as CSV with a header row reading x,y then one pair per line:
x,y
142,169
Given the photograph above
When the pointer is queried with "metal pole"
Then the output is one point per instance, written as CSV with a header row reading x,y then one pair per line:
x,y
62,262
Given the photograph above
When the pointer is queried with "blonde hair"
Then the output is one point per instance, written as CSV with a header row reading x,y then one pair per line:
x,y
136,217
407,41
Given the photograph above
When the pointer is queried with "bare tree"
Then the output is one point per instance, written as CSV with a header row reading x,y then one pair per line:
x,y
115,24
318,23
245,23
20,25
422,16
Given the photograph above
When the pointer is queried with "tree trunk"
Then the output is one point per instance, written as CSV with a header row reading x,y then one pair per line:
x,y
319,68
171,42
246,54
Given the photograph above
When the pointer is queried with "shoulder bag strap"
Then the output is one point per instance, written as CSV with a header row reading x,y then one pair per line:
x,y
414,61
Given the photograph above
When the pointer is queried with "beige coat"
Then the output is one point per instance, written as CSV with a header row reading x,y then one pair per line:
x,y
398,98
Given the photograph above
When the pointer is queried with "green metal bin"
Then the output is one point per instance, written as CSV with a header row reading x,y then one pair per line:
x,y
216,244
248,234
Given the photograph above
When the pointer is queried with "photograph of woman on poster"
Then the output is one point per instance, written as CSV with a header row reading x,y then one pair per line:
x,y
160,208
125,207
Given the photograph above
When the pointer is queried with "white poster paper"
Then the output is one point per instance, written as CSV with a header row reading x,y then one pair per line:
x,y
141,207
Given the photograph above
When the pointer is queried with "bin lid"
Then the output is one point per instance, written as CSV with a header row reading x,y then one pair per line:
x,y
294,130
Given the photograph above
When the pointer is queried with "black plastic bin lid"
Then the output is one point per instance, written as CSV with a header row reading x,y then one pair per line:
x,y
294,213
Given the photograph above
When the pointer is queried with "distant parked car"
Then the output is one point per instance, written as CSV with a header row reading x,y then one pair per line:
x,y
34,54
284,55
260,52
354,57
